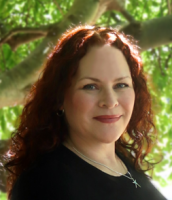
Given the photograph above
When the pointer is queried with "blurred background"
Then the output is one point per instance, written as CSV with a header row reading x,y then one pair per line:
x,y
29,29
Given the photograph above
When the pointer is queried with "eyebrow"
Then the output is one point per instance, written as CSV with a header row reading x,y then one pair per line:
x,y
97,80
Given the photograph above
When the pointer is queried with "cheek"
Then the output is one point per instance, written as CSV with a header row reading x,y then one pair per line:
x,y
128,100
78,103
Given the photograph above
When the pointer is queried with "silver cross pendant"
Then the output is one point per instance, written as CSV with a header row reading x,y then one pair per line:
x,y
136,184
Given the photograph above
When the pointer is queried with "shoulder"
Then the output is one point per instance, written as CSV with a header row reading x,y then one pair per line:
x,y
36,182
48,162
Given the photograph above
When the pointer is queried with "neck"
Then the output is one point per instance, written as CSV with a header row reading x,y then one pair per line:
x,y
101,153
115,167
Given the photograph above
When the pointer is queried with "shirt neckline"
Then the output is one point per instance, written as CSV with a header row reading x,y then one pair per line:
x,y
83,162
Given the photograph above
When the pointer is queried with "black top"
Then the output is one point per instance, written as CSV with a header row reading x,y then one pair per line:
x,y
62,175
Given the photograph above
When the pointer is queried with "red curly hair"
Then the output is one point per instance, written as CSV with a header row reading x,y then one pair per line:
x,y
42,130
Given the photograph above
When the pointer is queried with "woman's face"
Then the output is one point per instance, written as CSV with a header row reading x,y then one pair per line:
x,y
102,86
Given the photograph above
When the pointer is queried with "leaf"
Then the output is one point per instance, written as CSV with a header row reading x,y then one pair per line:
x,y
3,196
3,123
2,4
170,177
7,51
162,182
170,134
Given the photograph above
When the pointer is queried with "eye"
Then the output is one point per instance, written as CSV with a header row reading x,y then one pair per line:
x,y
121,85
90,87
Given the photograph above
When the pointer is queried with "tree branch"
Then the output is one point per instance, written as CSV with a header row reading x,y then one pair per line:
x,y
127,15
119,5
14,81
41,31
116,5
19,36
114,16
17,40
169,7
151,33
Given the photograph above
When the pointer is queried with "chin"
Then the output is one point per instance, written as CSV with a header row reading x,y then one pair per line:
x,y
108,140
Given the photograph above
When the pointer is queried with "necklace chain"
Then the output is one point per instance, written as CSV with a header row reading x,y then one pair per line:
x,y
129,177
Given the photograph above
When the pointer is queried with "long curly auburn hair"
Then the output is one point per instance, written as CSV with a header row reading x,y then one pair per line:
x,y
41,130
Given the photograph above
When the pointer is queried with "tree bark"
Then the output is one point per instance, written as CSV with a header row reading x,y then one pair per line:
x,y
152,33
149,34
14,81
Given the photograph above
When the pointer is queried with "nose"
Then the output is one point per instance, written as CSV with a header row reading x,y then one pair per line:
x,y
109,99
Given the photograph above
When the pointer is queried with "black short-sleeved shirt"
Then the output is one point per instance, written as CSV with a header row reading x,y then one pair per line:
x,y
62,175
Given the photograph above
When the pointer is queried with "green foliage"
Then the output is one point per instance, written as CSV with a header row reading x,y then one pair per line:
x,y
3,196
146,10
8,120
20,13
111,18
158,67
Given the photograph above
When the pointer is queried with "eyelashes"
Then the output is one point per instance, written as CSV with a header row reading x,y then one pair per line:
x,y
89,87
122,85
94,86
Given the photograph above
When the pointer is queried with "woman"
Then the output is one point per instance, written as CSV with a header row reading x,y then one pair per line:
x,y
87,124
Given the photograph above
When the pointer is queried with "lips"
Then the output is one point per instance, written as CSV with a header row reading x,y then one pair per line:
x,y
108,118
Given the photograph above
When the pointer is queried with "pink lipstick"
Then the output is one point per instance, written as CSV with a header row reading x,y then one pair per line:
x,y
108,118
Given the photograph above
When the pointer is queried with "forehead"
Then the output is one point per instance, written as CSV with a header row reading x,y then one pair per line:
x,y
104,62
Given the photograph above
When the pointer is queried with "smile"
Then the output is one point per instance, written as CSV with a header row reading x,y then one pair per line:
x,y
107,119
